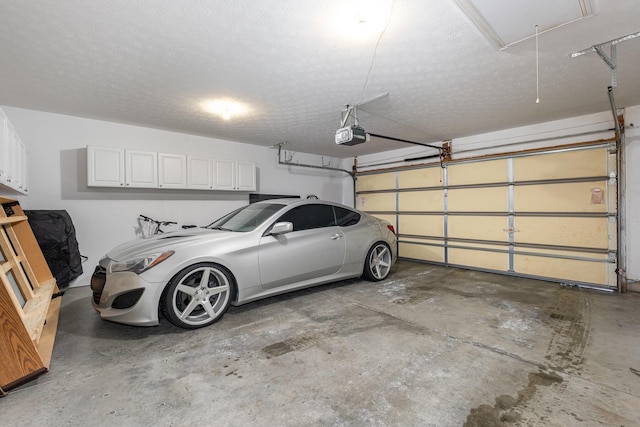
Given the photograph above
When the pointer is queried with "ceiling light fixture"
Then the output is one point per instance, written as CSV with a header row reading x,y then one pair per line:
x,y
225,108
360,20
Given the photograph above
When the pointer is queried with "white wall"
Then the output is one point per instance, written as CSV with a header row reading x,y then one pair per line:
x,y
594,126
105,217
632,197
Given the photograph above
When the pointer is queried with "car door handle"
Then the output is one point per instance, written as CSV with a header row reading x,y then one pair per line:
x,y
337,236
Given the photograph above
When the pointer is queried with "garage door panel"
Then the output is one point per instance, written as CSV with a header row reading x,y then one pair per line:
x,y
489,199
425,251
478,227
376,182
568,197
421,178
421,225
479,257
377,202
578,232
423,201
567,269
518,213
490,171
570,164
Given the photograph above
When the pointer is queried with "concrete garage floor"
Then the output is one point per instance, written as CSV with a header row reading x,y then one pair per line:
x,y
430,346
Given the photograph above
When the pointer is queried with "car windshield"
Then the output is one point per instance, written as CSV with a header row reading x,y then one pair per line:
x,y
246,218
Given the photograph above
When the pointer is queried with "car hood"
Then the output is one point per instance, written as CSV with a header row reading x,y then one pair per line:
x,y
173,240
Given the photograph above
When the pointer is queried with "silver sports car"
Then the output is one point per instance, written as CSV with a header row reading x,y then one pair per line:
x,y
263,249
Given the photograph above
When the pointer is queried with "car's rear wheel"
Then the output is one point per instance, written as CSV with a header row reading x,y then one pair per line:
x,y
198,295
377,265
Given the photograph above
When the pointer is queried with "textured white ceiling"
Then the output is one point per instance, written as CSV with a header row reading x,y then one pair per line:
x,y
151,63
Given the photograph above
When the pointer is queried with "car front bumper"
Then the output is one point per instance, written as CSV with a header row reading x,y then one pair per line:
x,y
125,297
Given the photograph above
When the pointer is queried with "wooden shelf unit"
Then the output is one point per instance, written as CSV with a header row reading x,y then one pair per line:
x,y
29,305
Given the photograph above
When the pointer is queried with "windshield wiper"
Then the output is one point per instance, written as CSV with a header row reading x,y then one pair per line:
x,y
220,228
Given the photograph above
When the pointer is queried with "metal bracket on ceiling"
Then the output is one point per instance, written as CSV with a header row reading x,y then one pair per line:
x,y
612,60
351,110
287,161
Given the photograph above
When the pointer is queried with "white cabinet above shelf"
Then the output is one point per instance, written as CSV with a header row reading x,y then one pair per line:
x,y
105,167
120,167
13,158
172,170
199,173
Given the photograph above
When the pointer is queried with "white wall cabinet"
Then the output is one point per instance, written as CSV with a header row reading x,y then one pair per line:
x,y
245,176
199,173
224,174
13,158
234,175
118,167
20,154
141,169
172,170
4,132
105,167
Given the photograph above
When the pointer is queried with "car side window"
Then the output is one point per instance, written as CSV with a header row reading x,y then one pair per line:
x,y
346,217
310,216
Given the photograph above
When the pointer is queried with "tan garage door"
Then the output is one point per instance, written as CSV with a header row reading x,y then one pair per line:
x,y
548,214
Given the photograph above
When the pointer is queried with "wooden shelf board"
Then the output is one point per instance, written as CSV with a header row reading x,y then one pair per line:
x,y
6,266
12,219
36,309
48,337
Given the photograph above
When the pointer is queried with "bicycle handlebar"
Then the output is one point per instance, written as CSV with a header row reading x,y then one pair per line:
x,y
146,218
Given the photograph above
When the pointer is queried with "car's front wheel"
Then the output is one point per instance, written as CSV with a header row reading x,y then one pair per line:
x,y
198,295
377,265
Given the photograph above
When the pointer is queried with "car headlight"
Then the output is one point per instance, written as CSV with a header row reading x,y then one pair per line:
x,y
139,264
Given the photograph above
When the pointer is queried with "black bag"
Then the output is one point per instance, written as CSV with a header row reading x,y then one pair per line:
x,y
56,236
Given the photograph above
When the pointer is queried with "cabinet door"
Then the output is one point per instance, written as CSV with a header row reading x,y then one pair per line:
x,y
245,176
172,170
25,172
224,174
105,167
12,158
3,148
141,169
199,173
21,153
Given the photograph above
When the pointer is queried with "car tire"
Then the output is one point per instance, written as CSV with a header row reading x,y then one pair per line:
x,y
198,296
377,265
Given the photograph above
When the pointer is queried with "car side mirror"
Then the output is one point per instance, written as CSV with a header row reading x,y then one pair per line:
x,y
281,228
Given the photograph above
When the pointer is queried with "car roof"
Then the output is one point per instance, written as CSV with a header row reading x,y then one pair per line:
x,y
291,201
